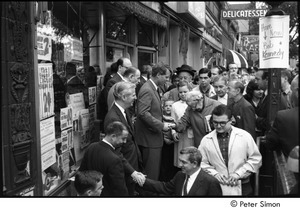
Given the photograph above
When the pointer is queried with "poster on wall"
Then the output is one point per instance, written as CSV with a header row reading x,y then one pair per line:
x,y
48,150
66,120
46,93
92,95
44,47
274,42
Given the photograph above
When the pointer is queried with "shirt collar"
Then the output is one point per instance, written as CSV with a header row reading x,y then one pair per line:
x,y
121,76
108,143
146,79
121,109
194,175
155,86
224,97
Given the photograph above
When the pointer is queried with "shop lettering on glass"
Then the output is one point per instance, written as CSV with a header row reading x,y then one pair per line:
x,y
274,42
46,90
250,43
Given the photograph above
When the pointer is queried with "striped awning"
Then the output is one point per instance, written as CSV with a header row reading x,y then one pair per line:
x,y
236,57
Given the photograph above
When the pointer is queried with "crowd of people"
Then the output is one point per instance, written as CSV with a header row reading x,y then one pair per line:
x,y
185,132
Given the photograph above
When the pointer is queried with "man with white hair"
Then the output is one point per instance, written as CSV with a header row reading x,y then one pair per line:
x,y
197,115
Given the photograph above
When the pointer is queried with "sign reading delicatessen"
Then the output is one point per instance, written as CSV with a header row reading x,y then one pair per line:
x,y
243,14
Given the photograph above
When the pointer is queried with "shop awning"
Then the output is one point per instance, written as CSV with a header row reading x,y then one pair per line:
x,y
143,12
236,57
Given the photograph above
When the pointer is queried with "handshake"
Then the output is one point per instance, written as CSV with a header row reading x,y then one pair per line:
x,y
139,178
169,123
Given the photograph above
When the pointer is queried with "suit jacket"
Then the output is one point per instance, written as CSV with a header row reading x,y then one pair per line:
x,y
284,133
149,125
102,100
229,100
139,85
204,185
101,157
129,150
243,154
262,122
197,121
244,114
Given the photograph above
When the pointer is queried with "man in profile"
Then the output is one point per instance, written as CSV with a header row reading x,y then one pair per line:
x,y
88,183
102,156
192,180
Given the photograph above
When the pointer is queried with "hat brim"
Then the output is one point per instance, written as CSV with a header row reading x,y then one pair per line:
x,y
192,72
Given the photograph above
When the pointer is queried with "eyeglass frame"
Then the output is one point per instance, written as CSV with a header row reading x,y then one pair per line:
x,y
222,124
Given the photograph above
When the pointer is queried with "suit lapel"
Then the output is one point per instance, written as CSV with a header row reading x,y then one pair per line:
x,y
121,116
197,184
154,90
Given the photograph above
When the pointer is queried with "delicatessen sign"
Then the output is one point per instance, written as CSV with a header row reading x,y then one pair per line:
x,y
243,14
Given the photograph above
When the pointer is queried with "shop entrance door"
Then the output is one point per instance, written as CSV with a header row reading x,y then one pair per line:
x,y
145,58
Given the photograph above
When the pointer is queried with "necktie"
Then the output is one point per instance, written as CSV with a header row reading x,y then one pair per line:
x,y
128,119
185,185
158,92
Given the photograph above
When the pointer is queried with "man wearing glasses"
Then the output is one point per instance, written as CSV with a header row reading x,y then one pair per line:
x,y
230,154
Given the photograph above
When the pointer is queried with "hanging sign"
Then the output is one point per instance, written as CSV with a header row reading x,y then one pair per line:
x,y
44,49
274,42
45,75
243,14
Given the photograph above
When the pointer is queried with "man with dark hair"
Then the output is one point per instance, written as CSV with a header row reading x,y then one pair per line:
x,y
230,154
242,111
102,156
204,83
88,183
192,180
149,124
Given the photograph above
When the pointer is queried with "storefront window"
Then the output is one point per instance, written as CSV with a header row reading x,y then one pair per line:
x,y
117,30
145,35
144,58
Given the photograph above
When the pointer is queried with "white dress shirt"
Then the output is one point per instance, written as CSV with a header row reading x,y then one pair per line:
x,y
223,99
108,143
191,180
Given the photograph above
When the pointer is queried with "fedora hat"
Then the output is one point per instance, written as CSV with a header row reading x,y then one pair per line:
x,y
185,68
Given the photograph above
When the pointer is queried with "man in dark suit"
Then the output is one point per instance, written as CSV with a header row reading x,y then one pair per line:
x,y
190,181
149,126
242,111
124,93
284,133
101,156
123,64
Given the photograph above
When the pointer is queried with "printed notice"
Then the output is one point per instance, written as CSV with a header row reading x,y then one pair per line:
x,y
46,93
66,120
77,103
44,49
274,42
48,151
92,95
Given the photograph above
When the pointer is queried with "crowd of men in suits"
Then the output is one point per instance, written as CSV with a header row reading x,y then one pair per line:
x,y
224,112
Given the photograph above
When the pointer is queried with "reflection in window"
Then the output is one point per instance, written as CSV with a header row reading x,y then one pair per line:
x,y
117,30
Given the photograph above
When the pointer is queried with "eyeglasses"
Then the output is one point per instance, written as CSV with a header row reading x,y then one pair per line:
x,y
222,124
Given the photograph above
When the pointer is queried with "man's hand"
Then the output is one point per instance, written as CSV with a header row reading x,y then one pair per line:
x,y
168,118
138,177
233,179
168,126
222,178
175,137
